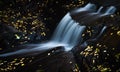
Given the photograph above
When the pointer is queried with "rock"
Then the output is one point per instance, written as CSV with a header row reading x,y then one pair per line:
x,y
55,60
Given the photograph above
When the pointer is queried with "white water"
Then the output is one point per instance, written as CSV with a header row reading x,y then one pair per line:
x,y
110,10
88,7
67,34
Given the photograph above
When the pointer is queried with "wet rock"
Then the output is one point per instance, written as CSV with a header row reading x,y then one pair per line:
x,y
54,60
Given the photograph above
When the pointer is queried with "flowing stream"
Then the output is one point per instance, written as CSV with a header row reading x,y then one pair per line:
x,y
67,34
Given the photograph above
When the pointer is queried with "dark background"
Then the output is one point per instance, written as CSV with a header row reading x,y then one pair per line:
x,y
33,21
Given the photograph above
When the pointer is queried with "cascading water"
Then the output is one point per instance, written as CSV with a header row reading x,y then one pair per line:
x,y
67,34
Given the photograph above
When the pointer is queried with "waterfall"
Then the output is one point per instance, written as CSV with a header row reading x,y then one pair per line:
x,y
67,34
110,10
